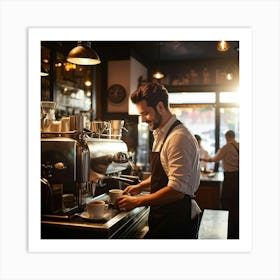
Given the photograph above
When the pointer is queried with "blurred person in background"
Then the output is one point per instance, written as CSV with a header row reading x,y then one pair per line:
x,y
229,155
202,154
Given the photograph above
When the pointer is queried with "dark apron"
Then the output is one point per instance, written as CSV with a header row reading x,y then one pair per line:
x,y
170,221
230,201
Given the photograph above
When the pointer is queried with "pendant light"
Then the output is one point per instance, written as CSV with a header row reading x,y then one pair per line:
x,y
222,46
83,54
158,75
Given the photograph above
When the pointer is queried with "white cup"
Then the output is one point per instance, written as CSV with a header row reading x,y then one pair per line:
x,y
114,194
96,209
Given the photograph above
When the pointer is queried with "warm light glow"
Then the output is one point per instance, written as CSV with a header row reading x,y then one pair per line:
x,y
222,46
230,97
192,97
229,76
88,83
84,61
69,66
83,55
158,75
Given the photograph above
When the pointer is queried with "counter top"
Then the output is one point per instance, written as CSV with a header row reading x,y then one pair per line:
x,y
212,176
213,224
116,223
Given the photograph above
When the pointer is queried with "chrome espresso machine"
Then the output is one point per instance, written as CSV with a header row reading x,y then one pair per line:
x,y
78,162
79,165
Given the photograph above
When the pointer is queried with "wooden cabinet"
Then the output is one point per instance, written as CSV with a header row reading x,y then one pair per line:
x,y
208,195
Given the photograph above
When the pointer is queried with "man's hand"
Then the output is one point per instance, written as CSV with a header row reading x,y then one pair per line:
x,y
126,202
132,190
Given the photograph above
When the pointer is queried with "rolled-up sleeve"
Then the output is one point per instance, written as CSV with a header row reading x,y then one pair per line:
x,y
219,155
180,160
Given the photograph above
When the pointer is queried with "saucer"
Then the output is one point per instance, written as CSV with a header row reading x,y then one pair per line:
x,y
85,215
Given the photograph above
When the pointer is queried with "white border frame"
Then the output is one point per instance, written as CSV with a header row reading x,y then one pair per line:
x,y
36,35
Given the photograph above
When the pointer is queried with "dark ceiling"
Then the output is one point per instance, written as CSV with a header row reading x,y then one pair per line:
x,y
183,50
148,51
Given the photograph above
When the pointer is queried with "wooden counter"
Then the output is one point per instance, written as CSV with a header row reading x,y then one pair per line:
x,y
208,195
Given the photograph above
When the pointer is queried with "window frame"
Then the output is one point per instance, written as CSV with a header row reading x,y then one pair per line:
x,y
217,106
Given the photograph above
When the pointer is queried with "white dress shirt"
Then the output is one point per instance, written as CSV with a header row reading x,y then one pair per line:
x,y
179,157
229,156
203,154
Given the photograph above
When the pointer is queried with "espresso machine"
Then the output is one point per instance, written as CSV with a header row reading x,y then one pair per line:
x,y
79,164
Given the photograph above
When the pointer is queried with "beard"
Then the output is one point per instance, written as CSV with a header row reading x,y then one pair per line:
x,y
153,125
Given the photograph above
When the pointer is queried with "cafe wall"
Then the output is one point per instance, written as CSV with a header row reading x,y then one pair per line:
x,y
124,77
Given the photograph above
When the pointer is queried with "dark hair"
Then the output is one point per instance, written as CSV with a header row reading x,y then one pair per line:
x,y
230,134
153,93
198,138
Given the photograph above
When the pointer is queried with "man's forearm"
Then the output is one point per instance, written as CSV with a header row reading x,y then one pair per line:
x,y
163,196
145,185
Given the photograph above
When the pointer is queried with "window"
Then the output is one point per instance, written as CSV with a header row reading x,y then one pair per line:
x,y
201,121
209,114
192,97
229,120
229,97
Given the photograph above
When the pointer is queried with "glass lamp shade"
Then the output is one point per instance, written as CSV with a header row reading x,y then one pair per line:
x,y
158,75
83,55
222,46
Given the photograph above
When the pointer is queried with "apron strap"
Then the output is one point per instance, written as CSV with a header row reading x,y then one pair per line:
x,y
177,122
235,148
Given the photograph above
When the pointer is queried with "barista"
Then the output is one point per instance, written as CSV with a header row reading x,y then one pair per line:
x,y
175,170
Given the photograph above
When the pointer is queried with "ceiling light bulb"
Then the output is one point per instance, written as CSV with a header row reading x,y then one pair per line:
x,y
158,75
229,76
222,46
88,83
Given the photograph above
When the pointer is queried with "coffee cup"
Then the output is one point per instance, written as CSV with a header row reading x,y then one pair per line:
x,y
114,194
96,209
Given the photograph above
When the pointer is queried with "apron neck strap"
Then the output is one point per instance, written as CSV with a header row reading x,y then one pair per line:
x,y
177,122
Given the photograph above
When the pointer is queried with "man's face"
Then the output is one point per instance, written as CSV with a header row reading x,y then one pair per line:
x,y
149,115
